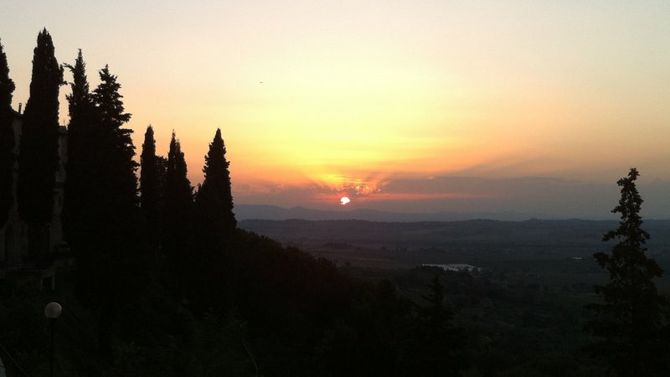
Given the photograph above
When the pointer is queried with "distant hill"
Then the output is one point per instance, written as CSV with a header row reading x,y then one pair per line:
x,y
268,212
450,233
474,241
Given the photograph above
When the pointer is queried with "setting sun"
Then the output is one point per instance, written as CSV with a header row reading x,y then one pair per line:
x,y
381,102
335,187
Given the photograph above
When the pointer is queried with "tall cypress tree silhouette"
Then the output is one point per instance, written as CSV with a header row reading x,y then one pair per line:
x,y
121,179
149,174
177,216
7,141
150,198
629,323
82,153
215,224
214,199
82,215
38,158
112,271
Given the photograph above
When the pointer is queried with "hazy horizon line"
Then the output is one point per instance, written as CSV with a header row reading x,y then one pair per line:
x,y
448,216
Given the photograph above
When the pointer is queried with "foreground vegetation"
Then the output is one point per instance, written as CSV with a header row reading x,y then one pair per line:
x,y
275,309
291,314
165,284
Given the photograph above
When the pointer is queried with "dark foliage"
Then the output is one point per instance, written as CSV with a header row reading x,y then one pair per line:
x,y
121,179
231,302
629,324
150,189
38,158
112,263
149,177
177,238
214,223
82,151
437,347
7,158
214,201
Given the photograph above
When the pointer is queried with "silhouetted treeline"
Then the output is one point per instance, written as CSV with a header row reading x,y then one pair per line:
x,y
166,284
7,139
166,245
38,155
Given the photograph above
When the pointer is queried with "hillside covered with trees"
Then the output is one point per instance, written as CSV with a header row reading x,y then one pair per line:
x,y
164,283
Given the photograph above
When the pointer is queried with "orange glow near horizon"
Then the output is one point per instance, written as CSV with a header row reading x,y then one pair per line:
x,y
338,98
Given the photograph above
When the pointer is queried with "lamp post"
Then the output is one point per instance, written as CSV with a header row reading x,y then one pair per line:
x,y
52,311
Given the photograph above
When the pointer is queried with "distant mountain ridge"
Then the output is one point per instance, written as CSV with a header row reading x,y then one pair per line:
x,y
470,238
270,212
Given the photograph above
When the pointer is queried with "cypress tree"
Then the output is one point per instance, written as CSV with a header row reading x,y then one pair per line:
x,y
113,269
161,168
215,225
80,97
629,323
38,158
178,188
7,142
80,106
82,151
177,215
150,187
215,200
149,173
119,176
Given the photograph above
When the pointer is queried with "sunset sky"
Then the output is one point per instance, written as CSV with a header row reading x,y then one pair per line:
x,y
401,105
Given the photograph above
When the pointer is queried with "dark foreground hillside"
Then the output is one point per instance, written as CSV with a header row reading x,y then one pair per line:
x,y
266,310
277,311
524,305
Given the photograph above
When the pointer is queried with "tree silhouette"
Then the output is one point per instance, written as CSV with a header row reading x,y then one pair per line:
x,y
150,198
438,348
214,227
112,271
177,216
436,314
214,200
38,158
161,168
7,142
122,182
629,323
252,304
82,153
